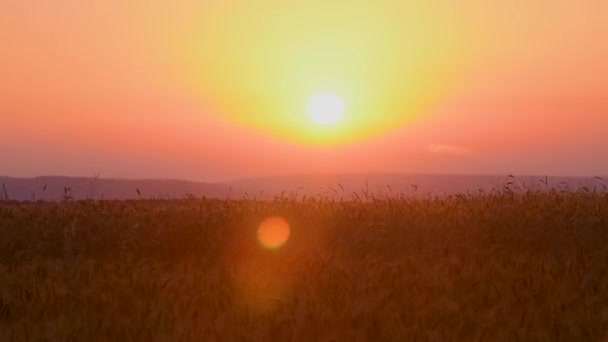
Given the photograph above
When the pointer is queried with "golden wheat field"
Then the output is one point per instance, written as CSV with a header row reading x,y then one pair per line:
x,y
496,267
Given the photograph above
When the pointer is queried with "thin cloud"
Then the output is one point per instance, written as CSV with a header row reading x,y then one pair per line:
x,y
449,149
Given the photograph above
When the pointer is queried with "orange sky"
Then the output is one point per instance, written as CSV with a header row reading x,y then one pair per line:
x,y
217,89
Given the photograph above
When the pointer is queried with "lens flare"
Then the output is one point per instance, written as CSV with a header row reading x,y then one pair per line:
x,y
273,232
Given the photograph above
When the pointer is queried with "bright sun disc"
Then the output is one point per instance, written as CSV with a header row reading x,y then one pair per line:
x,y
326,109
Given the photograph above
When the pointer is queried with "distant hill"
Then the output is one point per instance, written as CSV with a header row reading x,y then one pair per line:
x,y
54,188
333,185
414,185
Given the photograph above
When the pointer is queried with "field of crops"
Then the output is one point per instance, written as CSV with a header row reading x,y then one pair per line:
x,y
500,267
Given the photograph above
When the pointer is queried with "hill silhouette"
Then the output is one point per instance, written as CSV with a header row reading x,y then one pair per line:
x,y
339,186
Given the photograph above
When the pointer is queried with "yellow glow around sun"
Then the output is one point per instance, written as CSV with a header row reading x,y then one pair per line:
x,y
326,109
257,64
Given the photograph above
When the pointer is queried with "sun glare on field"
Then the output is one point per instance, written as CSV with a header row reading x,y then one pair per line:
x,y
273,232
326,109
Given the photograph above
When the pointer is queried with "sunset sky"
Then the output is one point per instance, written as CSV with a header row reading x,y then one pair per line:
x,y
219,89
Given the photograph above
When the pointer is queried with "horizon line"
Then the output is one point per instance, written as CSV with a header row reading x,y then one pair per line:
x,y
292,175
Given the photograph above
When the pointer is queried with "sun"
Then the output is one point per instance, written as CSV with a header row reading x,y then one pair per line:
x,y
326,109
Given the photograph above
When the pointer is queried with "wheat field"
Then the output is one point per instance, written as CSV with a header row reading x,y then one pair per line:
x,y
493,267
